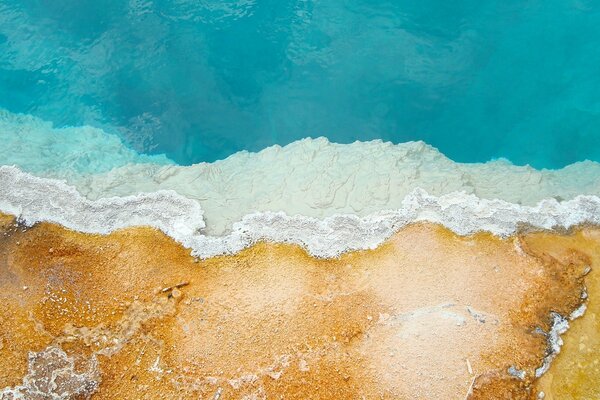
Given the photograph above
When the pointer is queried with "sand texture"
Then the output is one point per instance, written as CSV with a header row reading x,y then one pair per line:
x,y
427,315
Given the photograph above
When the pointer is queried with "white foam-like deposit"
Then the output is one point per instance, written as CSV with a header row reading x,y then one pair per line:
x,y
311,177
316,178
560,325
35,199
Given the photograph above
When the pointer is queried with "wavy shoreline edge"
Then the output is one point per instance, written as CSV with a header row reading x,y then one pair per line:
x,y
33,199
311,177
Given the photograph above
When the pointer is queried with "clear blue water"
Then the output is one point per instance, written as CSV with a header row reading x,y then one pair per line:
x,y
200,80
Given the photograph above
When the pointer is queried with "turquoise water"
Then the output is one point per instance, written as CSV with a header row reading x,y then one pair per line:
x,y
200,80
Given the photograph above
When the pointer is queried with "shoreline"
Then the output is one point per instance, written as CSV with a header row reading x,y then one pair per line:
x,y
35,199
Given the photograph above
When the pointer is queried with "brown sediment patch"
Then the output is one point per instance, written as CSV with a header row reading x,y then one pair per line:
x,y
130,315
575,373
5,221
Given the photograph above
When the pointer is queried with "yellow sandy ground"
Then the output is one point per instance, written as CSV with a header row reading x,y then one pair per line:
x,y
575,374
428,315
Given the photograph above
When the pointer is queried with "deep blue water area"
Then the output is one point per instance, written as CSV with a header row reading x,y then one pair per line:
x,y
199,80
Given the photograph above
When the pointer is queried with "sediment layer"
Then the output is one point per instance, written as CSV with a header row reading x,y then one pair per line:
x,y
575,373
310,177
35,199
316,178
426,315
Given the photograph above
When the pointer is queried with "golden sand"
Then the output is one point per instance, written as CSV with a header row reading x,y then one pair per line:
x,y
427,315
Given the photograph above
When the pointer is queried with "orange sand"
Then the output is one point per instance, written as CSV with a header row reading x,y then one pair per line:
x,y
428,315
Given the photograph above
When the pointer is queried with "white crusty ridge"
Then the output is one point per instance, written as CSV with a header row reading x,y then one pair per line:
x,y
312,177
317,178
35,199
